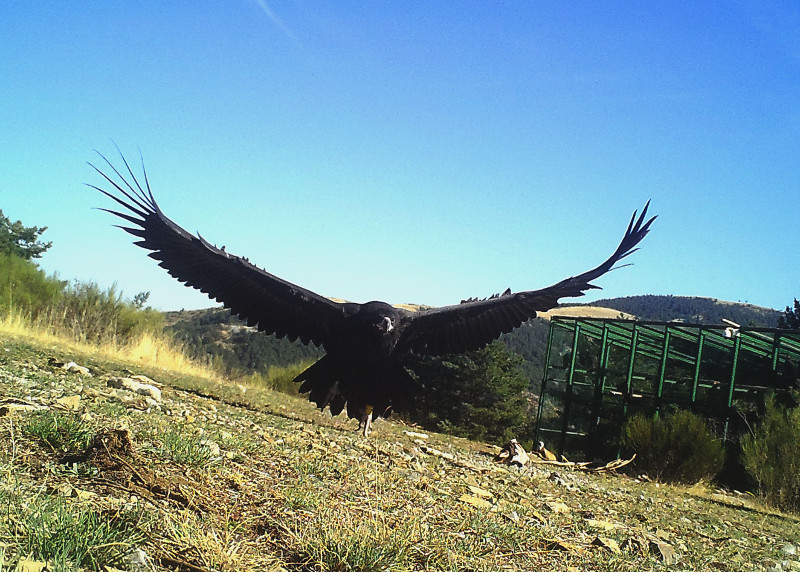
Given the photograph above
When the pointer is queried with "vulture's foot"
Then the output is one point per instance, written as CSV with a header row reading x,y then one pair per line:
x,y
366,422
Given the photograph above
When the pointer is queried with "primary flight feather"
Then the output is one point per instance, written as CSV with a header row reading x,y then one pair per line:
x,y
362,369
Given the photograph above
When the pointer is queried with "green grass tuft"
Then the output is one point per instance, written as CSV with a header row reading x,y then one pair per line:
x,y
185,448
70,537
63,433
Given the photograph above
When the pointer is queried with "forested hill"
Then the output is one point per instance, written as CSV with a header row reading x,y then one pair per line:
x,y
215,333
694,310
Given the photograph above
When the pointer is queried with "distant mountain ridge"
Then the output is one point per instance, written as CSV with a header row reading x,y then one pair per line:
x,y
692,309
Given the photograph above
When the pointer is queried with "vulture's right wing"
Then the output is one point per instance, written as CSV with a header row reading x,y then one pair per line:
x,y
474,323
263,300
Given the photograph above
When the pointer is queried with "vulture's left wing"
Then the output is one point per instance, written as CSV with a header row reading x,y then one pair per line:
x,y
474,323
263,300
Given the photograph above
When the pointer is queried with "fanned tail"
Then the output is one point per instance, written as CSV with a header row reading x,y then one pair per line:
x,y
376,391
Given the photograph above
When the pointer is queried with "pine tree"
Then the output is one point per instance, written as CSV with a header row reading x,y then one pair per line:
x,y
480,394
20,240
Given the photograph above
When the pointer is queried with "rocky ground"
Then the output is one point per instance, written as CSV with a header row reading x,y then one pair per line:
x,y
112,466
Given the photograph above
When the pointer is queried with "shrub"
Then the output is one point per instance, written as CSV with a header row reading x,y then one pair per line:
x,y
771,456
677,448
88,313
25,288
82,310
280,378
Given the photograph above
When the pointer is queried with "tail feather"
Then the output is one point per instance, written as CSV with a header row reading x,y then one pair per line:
x,y
378,391
319,382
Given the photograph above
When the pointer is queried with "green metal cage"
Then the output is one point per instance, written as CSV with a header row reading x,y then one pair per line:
x,y
600,372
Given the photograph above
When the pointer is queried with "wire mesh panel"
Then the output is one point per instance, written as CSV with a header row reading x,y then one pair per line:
x,y
599,372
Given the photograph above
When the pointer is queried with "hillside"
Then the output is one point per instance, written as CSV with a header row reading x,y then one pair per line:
x,y
692,309
232,345
588,311
197,476
213,332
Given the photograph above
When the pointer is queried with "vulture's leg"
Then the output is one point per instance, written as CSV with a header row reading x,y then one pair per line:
x,y
366,421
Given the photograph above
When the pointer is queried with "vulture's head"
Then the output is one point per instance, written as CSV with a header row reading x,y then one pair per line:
x,y
385,324
381,317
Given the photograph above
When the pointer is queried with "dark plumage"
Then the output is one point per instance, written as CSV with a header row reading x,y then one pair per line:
x,y
362,370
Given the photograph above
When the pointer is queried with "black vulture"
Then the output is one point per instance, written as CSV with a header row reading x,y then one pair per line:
x,y
362,369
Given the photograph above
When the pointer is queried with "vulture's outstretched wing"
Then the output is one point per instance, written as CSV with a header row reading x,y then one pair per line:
x,y
263,300
474,323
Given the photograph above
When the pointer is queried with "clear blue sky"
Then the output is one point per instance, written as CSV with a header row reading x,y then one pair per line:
x,y
416,151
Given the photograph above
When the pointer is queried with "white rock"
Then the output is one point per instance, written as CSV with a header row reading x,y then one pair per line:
x,y
135,386
415,434
73,367
212,448
137,559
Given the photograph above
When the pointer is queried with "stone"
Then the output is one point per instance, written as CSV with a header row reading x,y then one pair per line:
x,y
135,386
69,403
73,367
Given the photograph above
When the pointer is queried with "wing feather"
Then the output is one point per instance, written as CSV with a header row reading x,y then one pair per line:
x,y
474,323
261,299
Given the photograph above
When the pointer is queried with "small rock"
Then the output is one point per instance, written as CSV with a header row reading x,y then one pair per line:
x,y
135,386
479,492
90,392
475,501
10,405
146,380
557,507
85,495
414,434
152,403
73,367
662,534
69,403
600,524
137,559
212,448
26,565
65,490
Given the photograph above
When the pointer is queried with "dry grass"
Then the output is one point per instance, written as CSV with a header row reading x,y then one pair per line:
x,y
147,349
585,312
290,488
